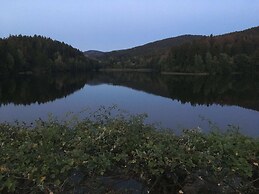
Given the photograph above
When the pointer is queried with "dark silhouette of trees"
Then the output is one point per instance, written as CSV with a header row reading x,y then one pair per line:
x,y
234,52
40,55
228,53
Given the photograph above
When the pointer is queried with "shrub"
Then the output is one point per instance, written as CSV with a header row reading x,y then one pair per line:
x,y
45,157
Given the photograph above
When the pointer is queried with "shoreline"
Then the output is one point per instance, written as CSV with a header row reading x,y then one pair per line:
x,y
152,71
126,70
182,73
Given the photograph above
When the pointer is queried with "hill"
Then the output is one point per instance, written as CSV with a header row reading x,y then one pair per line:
x,y
38,54
232,52
146,50
93,54
150,48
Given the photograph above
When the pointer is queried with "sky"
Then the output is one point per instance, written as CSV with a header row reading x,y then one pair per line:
x,y
118,24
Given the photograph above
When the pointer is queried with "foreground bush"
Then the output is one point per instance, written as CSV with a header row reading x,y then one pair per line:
x,y
56,157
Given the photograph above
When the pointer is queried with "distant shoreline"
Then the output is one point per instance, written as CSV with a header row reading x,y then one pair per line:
x,y
182,73
126,70
151,70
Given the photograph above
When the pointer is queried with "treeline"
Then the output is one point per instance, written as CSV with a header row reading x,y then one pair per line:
x,y
234,52
39,54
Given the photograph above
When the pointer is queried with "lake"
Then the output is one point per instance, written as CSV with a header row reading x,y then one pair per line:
x,y
172,101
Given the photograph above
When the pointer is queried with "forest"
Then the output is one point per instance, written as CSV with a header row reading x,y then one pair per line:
x,y
234,52
38,54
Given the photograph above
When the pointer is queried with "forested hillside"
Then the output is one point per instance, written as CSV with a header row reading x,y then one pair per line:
x,y
149,49
141,56
39,54
233,52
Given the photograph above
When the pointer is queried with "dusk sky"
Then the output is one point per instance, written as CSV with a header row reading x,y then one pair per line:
x,y
117,24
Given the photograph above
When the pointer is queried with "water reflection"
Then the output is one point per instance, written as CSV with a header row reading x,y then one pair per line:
x,y
197,90
175,101
29,89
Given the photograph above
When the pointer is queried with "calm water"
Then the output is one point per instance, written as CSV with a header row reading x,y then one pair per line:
x,y
173,101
